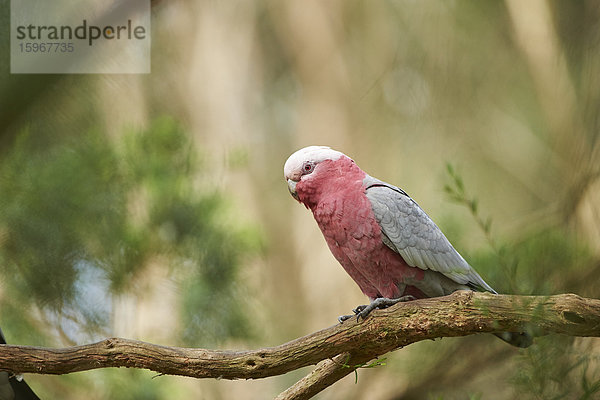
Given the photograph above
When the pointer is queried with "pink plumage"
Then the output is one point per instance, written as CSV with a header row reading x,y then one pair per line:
x,y
336,196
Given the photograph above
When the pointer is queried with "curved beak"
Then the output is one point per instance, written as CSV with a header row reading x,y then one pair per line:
x,y
292,188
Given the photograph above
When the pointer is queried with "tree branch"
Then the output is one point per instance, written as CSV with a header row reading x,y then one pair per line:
x,y
324,375
344,347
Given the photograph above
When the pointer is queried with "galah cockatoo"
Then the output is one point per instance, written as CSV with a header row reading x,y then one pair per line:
x,y
383,239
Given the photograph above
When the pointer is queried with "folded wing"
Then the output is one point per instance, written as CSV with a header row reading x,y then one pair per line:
x,y
409,231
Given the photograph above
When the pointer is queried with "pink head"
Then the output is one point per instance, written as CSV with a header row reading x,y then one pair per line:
x,y
309,165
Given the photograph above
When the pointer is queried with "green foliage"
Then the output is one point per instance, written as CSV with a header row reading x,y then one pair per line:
x,y
113,383
132,384
502,256
88,216
379,362
557,368
59,206
456,191
540,262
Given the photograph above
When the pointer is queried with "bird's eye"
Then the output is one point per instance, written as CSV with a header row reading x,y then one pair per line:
x,y
307,168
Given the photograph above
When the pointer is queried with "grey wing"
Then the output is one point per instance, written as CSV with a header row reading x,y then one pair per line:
x,y
409,231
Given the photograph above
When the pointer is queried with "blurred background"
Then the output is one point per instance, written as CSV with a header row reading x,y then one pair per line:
x,y
153,207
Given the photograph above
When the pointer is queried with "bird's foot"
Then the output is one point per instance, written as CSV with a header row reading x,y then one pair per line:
x,y
364,310
356,311
380,302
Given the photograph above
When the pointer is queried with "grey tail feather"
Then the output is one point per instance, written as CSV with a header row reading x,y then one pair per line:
x,y
481,287
517,339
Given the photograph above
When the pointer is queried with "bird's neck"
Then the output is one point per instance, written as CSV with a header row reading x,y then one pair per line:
x,y
330,181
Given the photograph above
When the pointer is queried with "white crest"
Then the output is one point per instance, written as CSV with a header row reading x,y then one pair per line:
x,y
314,154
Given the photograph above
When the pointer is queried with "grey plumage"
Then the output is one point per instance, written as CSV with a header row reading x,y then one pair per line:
x,y
409,231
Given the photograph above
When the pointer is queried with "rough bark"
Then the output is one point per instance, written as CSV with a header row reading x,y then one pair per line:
x,y
339,349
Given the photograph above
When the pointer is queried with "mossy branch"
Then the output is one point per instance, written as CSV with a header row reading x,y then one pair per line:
x,y
339,349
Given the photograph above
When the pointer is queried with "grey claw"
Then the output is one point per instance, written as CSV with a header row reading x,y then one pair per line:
x,y
343,318
358,309
365,311
381,302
